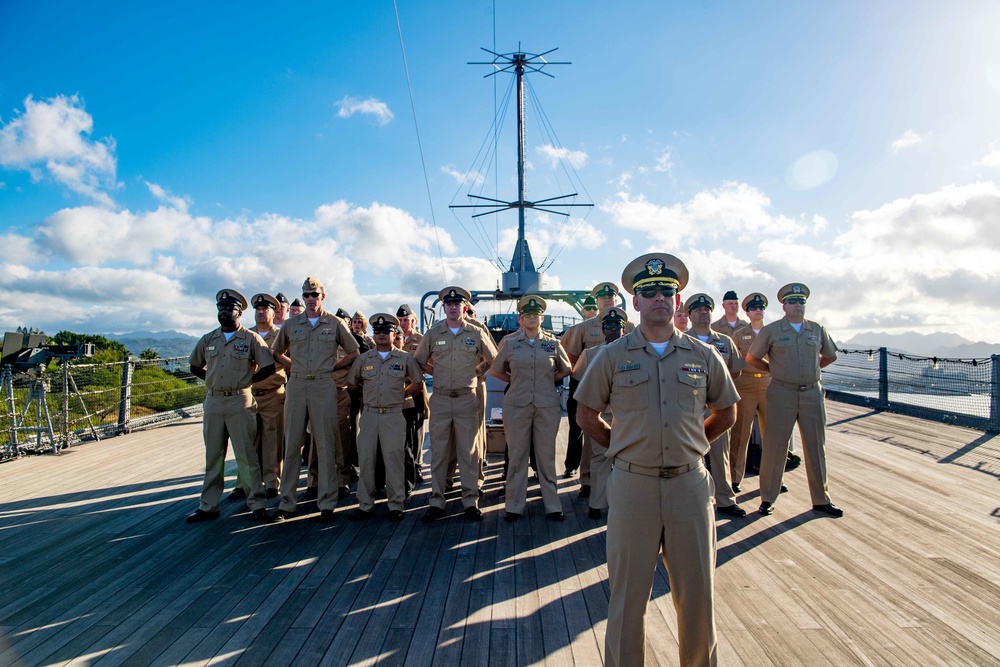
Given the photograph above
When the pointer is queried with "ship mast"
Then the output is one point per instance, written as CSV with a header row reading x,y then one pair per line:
x,y
522,277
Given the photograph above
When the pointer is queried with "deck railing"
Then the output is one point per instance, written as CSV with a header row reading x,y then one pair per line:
x,y
52,407
956,391
47,409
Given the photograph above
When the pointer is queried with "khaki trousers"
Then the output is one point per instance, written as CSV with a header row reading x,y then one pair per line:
x,y
524,426
453,425
270,441
600,470
718,454
313,402
785,407
753,401
387,431
650,516
343,435
230,418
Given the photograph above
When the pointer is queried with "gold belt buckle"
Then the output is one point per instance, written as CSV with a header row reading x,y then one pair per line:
x,y
380,411
310,377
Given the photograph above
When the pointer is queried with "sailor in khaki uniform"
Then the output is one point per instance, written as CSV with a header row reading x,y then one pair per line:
x,y
230,359
312,340
531,361
658,383
589,308
387,376
699,307
752,385
283,310
270,396
575,340
470,317
415,406
454,352
793,350
613,320
730,320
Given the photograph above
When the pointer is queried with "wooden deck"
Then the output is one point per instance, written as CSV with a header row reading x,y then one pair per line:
x,y
99,567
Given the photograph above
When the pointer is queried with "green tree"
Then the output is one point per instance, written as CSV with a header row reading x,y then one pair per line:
x,y
149,354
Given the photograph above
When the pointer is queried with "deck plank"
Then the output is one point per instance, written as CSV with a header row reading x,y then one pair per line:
x,y
100,569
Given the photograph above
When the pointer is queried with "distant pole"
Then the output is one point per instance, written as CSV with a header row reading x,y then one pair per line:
x,y
994,425
883,378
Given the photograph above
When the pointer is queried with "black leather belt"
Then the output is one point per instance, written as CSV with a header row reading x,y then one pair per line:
x,y
383,411
228,392
797,387
312,376
662,473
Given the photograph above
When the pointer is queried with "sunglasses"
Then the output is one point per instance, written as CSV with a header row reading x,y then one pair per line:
x,y
310,295
749,308
651,292
796,300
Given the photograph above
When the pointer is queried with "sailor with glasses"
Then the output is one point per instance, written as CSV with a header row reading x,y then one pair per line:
x,y
793,350
312,340
658,383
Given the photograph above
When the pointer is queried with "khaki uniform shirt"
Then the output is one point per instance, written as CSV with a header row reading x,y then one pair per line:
x,y
384,380
313,349
724,345
745,336
230,365
793,357
580,369
532,368
658,402
280,377
587,334
722,325
410,345
455,356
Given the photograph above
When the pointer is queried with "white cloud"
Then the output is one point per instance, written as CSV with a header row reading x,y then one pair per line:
x,y
349,106
473,177
663,163
908,140
53,135
548,235
577,159
991,157
735,211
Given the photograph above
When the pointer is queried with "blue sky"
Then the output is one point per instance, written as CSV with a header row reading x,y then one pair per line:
x,y
152,153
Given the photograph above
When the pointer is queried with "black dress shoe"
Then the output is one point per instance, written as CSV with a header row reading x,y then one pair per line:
x,y
272,493
326,516
396,515
511,517
594,513
737,488
792,462
481,492
766,508
343,492
830,509
555,516
237,494
473,513
311,493
260,515
360,515
784,489
732,510
570,473
281,515
432,514
585,491
200,515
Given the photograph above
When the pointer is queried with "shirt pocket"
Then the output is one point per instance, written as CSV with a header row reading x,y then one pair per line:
x,y
691,391
369,373
630,392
